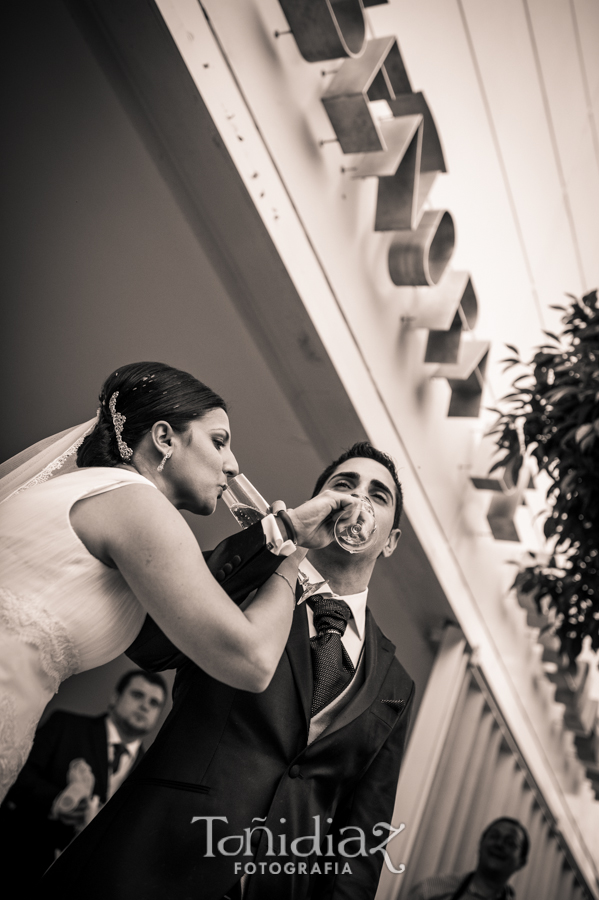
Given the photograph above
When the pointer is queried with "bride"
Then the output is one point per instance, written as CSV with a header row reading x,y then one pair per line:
x,y
85,554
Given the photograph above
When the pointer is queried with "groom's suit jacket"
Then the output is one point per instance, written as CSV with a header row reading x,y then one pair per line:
x,y
226,758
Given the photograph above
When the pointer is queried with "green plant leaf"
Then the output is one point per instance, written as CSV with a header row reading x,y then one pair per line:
x,y
582,432
553,336
560,393
554,407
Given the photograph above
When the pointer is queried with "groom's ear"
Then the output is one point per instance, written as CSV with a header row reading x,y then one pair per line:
x,y
392,542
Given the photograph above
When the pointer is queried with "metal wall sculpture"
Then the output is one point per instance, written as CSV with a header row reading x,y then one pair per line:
x,y
328,29
466,378
404,153
446,311
507,486
378,74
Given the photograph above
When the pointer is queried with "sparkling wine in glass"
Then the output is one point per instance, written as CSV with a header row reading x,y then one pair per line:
x,y
356,526
245,503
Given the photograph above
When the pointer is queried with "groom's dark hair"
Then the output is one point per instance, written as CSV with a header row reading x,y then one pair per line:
x,y
365,450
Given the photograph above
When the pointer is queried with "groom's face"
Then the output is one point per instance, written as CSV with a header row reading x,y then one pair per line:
x,y
366,477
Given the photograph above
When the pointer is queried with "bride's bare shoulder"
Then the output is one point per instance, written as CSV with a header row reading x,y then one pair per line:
x,y
131,514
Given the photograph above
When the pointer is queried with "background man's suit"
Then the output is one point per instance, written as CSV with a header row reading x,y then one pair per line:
x,y
28,838
229,753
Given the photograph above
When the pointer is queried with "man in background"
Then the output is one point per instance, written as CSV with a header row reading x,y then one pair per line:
x,y
503,850
76,764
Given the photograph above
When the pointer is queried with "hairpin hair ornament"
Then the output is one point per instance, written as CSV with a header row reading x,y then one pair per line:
x,y
118,420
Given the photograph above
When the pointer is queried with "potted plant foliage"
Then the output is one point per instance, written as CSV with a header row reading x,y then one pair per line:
x,y
552,415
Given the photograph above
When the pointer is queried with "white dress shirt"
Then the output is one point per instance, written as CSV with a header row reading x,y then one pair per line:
x,y
115,779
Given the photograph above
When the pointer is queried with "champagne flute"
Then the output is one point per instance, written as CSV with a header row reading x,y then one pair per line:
x,y
356,526
245,503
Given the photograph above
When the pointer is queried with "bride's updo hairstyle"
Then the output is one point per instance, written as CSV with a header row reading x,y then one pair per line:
x,y
135,397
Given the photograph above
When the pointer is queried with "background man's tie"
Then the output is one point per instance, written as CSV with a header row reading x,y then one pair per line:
x,y
119,751
331,665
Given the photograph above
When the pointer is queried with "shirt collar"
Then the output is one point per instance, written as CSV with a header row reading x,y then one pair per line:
x,y
356,602
115,738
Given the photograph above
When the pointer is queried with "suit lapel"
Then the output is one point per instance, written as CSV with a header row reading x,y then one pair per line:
x,y
138,758
100,766
298,652
378,656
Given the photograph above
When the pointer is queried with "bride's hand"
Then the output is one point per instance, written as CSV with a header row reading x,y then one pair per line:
x,y
314,521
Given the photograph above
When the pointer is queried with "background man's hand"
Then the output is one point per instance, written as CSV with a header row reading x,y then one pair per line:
x,y
75,817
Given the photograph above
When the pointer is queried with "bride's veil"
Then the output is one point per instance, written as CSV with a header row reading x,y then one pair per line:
x,y
38,463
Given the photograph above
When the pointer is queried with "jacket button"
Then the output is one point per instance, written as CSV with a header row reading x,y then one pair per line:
x,y
294,771
235,561
220,575
227,568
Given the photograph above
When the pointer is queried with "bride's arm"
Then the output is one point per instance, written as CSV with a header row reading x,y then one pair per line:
x,y
136,529
241,563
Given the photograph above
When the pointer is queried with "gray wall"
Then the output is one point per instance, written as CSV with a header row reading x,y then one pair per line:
x,y
100,267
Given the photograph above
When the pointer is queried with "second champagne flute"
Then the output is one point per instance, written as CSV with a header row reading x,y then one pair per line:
x,y
356,526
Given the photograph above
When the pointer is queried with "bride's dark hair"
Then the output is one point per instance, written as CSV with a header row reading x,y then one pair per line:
x,y
147,393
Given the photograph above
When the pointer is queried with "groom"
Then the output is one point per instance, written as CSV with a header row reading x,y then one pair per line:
x,y
284,794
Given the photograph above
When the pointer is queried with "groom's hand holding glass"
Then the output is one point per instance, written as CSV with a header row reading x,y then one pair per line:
x,y
312,525
314,521
347,518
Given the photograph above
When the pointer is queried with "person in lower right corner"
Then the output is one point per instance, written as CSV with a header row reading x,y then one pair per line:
x,y
503,850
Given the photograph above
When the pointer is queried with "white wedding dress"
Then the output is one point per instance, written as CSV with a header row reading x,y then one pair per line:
x,y
62,611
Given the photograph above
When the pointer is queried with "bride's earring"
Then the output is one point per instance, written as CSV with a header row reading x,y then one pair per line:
x,y
166,456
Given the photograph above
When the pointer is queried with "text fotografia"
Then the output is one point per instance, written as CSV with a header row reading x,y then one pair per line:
x,y
353,844
291,868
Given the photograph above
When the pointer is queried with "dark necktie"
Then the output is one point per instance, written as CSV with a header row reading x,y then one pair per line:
x,y
332,667
118,751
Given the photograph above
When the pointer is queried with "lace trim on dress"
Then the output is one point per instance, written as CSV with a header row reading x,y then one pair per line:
x,y
32,624
13,750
